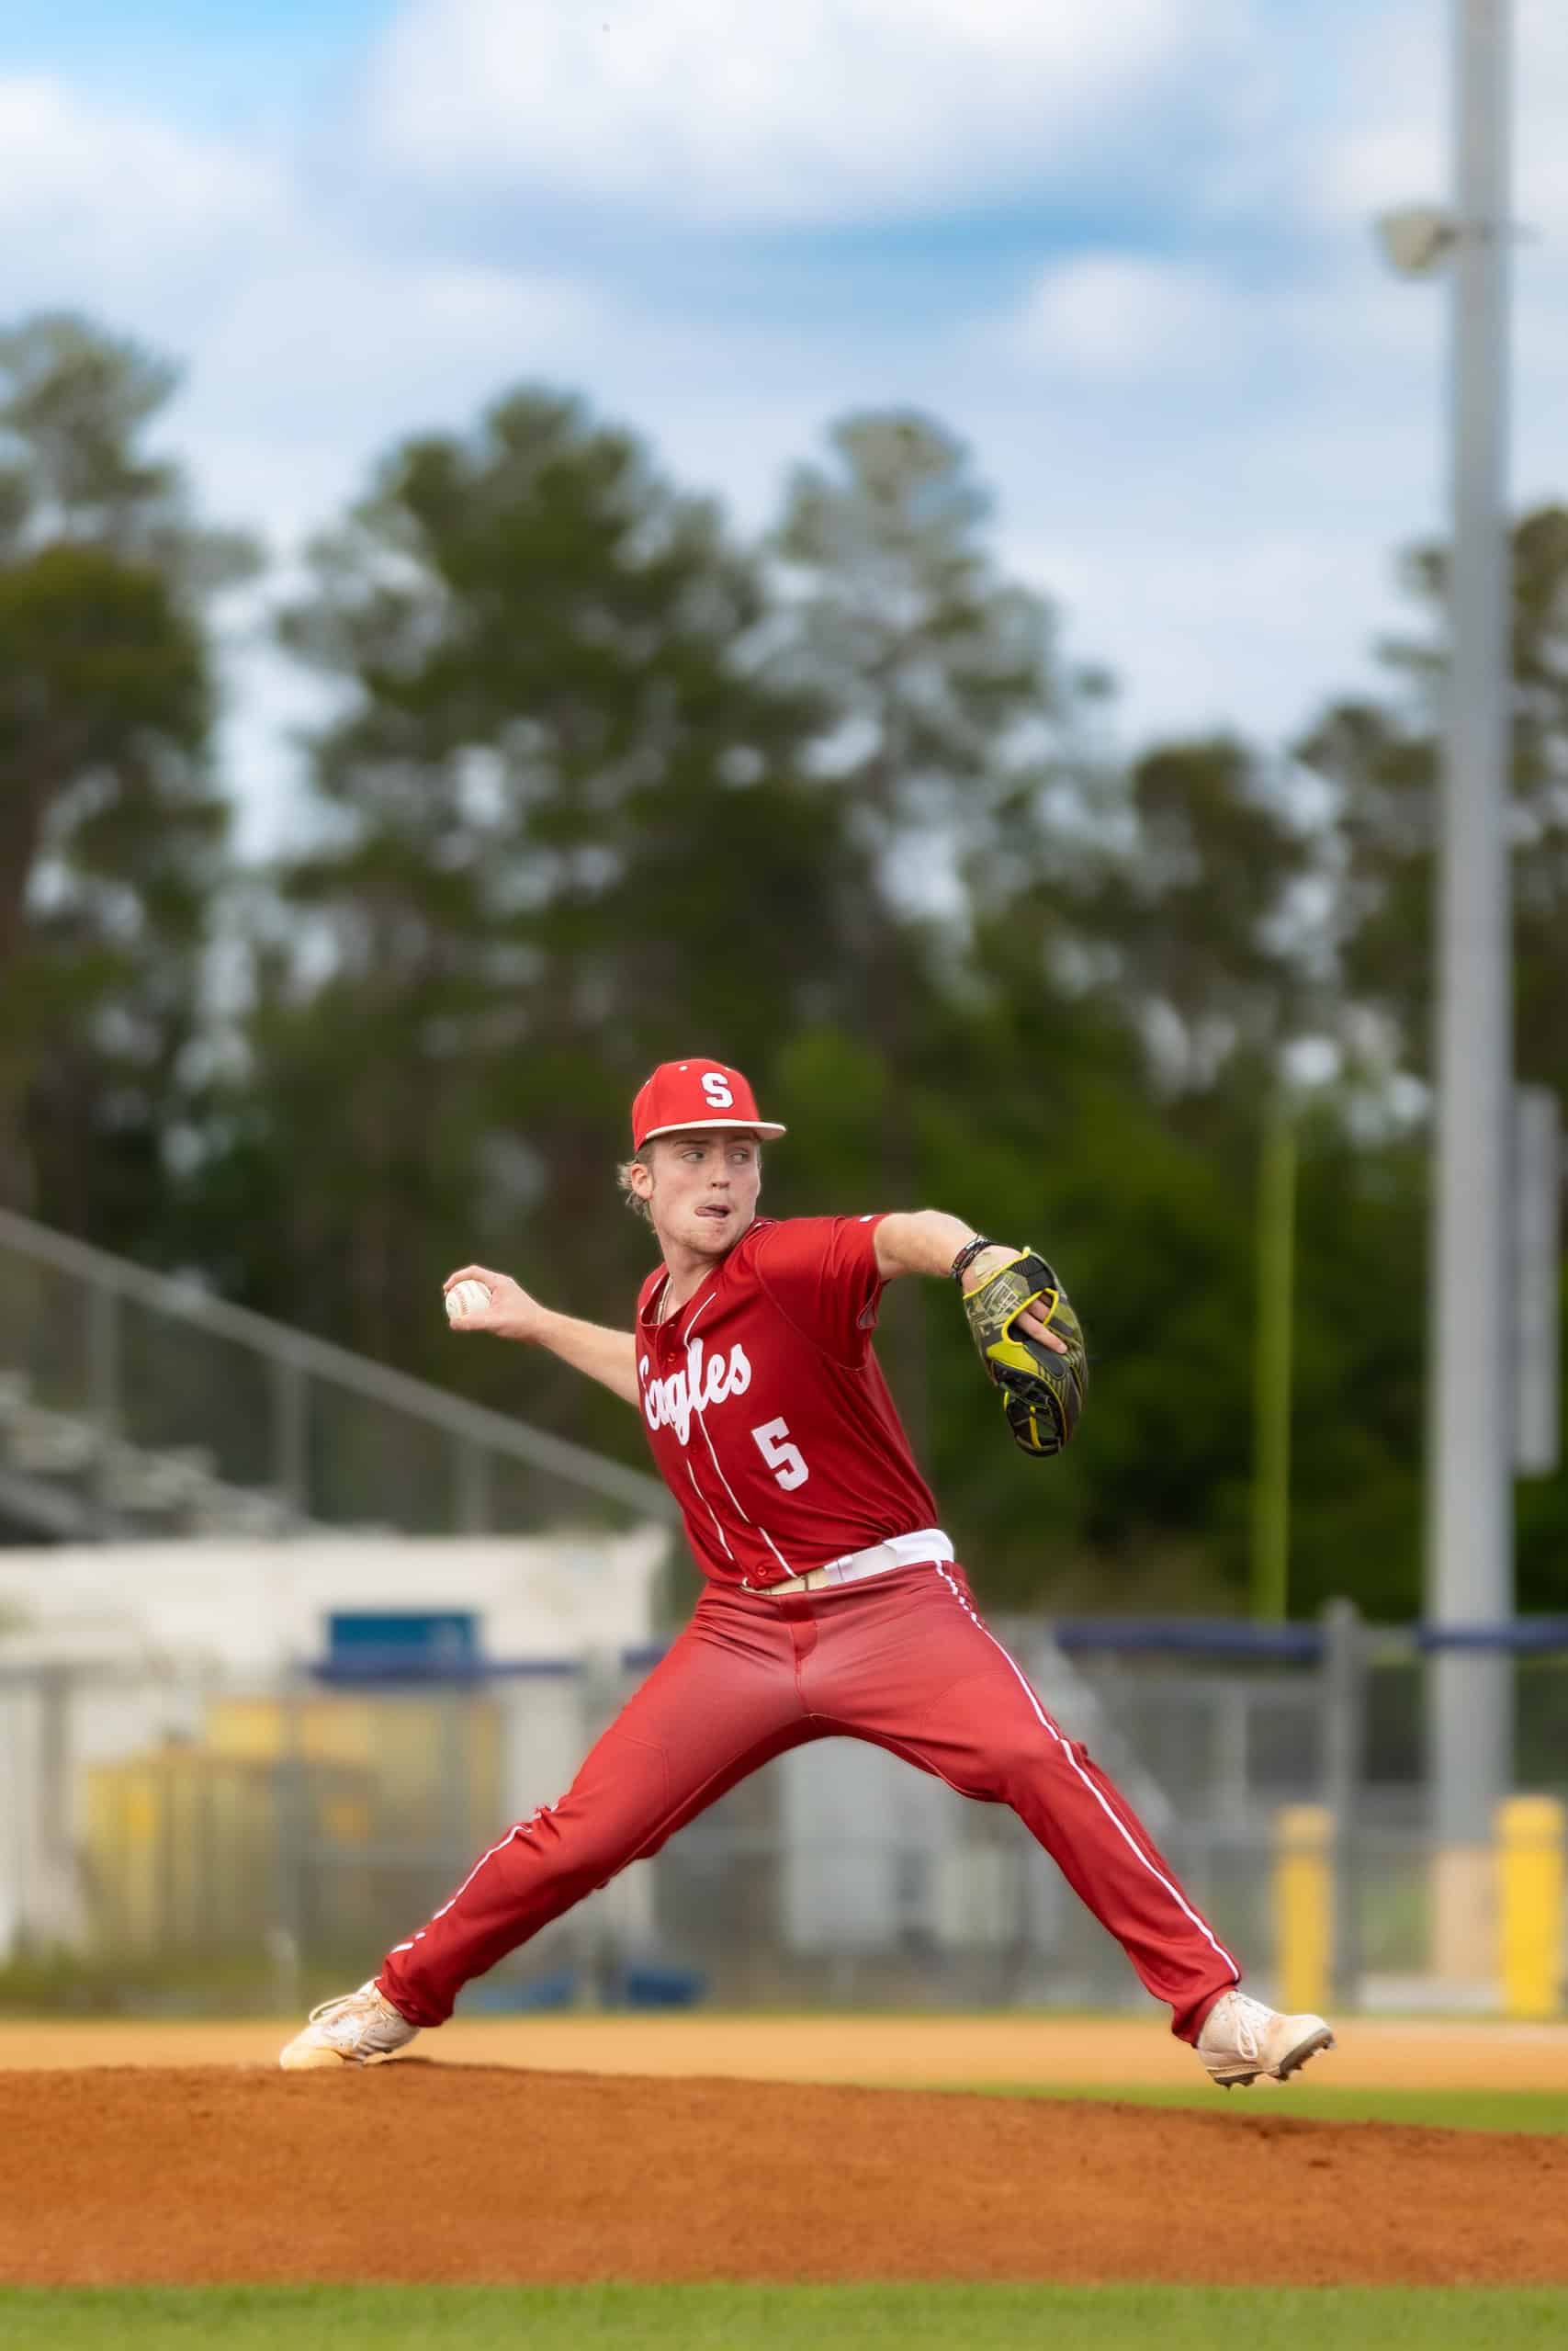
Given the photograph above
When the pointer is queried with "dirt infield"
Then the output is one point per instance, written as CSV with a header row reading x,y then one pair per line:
x,y
418,2171
1024,2049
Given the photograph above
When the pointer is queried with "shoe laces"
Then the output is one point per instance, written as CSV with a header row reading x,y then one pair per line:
x,y
1249,2019
342,2001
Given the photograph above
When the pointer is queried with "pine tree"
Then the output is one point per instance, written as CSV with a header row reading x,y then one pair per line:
x,y
112,829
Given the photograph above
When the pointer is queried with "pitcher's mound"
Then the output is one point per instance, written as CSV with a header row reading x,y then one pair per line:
x,y
423,2171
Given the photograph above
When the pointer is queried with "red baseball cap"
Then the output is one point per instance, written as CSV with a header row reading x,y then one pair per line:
x,y
683,1094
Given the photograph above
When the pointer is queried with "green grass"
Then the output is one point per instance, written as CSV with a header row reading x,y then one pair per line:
x,y
1532,2110
797,2318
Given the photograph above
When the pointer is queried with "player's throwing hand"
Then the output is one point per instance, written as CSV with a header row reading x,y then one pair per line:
x,y
511,1314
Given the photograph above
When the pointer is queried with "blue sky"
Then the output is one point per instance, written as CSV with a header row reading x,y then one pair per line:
x,y
190,57
1124,249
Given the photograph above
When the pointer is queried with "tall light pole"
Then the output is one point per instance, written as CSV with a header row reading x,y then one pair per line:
x,y
1271,1372
1470,1573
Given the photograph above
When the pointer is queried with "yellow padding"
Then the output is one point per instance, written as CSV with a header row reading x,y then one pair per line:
x,y
1529,1884
1303,1906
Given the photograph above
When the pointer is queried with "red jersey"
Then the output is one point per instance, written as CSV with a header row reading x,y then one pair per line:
x,y
768,1415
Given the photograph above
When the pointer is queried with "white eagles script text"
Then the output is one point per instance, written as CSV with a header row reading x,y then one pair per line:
x,y
669,1403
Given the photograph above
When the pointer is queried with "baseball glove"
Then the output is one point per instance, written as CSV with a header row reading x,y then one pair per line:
x,y
1042,1393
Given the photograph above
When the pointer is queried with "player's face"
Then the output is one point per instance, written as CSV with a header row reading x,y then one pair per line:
x,y
703,1190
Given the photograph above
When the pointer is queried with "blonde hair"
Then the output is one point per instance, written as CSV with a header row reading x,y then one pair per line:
x,y
644,1158
634,1200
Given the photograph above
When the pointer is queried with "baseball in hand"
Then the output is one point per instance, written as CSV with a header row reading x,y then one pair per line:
x,y
467,1298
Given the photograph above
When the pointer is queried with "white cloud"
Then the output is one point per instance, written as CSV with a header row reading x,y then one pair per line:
x,y
781,110
1544,114
1208,452
310,345
311,340
329,351
1123,317
1234,628
100,197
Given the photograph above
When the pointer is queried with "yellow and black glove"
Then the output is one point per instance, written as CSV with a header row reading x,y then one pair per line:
x,y
1043,1392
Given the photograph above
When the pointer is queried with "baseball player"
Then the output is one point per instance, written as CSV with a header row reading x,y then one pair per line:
x,y
833,1604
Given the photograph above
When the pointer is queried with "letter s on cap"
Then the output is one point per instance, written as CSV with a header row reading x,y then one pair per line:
x,y
715,1086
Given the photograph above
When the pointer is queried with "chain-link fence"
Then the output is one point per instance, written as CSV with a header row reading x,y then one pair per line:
x,y
167,1829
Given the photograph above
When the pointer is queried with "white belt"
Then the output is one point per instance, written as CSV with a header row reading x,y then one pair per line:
x,y
898,1551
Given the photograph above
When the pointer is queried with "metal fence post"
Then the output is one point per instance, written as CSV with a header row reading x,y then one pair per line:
x,y
1344,1749
597,1945
290,1448
54,1921
103,1391
290,1936
473,1485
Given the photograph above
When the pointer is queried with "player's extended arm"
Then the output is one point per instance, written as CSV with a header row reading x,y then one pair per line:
x,y
927,1242
608,1356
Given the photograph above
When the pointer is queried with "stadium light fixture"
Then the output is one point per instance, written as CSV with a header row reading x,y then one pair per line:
x,y
1416,238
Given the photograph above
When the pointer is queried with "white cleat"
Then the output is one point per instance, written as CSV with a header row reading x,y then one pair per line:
x,y
1242,2039
353,2029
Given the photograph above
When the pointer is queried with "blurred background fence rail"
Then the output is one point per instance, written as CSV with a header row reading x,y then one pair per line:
x,y
135,1404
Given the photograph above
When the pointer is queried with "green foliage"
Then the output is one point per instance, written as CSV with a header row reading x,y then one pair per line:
x,y
1382,764
1195,913
1359,1384
939,677
111,829
562,834
1381,761
937,685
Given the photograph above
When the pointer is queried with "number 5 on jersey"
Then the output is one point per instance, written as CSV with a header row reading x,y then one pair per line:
x,y
783,1458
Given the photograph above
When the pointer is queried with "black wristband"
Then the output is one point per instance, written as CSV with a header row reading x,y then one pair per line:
x,y
967,1255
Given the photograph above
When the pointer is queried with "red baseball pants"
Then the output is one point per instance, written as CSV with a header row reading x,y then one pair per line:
x,y
902,1660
